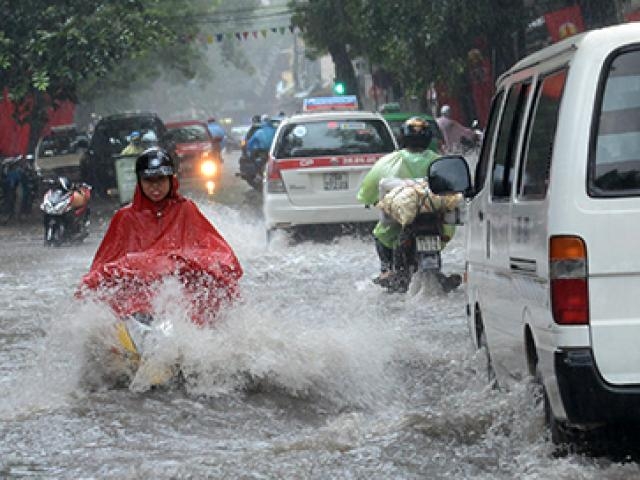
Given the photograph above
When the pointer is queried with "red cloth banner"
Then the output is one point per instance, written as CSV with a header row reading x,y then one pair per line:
x,y
14,138
564,23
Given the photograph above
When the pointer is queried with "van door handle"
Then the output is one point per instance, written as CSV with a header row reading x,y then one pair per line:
x,y
480,215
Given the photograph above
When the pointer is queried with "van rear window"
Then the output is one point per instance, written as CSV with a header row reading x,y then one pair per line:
x,y
615,161
334,137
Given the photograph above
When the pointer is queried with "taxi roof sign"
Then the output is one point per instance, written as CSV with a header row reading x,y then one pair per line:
x,y
323,104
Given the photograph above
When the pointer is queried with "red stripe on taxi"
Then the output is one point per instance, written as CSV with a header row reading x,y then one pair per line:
x,y
337,161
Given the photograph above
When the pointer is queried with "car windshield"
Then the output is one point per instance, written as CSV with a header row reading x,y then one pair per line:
x,y
334,137
58,144
189,133
112,136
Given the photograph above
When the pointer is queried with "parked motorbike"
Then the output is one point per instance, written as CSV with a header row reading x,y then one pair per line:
x,y
66,212
18,186
252,168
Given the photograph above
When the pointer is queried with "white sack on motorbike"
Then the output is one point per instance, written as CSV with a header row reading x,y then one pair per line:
x,y
402,199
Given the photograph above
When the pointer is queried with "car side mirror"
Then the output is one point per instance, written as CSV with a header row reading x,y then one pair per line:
x,y
450,174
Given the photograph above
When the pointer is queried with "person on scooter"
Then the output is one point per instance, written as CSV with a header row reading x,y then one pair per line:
x,y
453,132
412,161
162,234
135,146
217,132
262,138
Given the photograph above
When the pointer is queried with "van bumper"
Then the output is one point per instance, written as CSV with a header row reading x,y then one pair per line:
x,y
586,397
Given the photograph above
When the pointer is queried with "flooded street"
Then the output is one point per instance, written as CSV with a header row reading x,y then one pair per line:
x,y
316,373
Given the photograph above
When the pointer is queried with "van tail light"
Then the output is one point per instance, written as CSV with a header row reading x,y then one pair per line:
x,y
568,274
275,184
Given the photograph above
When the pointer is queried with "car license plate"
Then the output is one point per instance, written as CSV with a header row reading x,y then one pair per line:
x,y
336,181
428,243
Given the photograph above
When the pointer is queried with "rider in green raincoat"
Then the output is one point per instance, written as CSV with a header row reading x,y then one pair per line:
x,y
410,162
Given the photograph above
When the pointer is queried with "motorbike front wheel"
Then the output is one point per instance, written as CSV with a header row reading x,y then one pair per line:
x,y
53,234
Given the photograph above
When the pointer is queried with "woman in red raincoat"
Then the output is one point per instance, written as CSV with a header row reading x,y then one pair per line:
x,y
161,234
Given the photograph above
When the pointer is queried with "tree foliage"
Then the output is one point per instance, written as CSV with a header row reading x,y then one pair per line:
x,y
420,42
77,50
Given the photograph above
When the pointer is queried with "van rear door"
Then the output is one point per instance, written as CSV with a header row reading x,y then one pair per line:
x,y
612,222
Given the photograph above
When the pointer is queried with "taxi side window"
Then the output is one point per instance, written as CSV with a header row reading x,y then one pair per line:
x,y
507,140
534,176
487,144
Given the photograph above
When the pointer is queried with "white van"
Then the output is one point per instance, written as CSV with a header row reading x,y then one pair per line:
x,y
553,272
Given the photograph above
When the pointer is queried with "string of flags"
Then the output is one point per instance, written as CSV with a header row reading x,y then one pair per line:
x,y
208,38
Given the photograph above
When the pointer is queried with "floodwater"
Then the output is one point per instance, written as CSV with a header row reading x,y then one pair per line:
x,y
316,373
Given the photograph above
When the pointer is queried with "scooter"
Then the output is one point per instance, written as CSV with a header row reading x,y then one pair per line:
x,y
66,212
252,168
137,337
418,251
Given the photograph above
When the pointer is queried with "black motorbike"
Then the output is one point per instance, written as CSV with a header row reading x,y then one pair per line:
x,y
418,251
252,167
66,212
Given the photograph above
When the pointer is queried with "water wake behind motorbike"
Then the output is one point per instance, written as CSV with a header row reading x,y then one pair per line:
x,y
66,212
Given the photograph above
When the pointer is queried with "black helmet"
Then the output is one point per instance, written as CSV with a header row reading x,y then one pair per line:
x,y
154,162
416,133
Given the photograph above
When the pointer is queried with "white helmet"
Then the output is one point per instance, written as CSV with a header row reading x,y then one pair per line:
x,y
150,137
445,111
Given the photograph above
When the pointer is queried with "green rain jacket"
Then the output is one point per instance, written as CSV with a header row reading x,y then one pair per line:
x,y
398,164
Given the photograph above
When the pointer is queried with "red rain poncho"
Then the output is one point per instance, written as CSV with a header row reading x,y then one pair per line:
x,y
148,241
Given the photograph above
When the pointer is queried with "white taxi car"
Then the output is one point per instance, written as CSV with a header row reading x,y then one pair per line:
x,y
316,164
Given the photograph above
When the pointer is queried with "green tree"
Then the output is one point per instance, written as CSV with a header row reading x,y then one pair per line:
x,y
51,52
331,26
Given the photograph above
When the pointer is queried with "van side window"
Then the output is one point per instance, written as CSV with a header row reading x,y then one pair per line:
x,y
505,155
487,144
534,176
614,165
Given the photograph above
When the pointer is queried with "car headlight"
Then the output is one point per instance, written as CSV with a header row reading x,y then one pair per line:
x,y
209,168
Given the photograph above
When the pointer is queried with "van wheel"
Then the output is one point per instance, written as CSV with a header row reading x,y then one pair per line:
x,y
561,434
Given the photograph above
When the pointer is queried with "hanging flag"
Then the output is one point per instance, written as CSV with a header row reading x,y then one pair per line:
x,y
209,38
274,30
564,23
229,35
238,36
255,34
264,33
282,29
219,36
291,28
245,35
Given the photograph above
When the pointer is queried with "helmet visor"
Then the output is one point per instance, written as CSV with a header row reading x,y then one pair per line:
x,y
160,171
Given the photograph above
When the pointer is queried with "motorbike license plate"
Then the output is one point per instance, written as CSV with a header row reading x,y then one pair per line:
x,y
336,181
428,243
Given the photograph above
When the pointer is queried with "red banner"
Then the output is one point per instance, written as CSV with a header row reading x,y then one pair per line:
x,y
564,23
14,138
